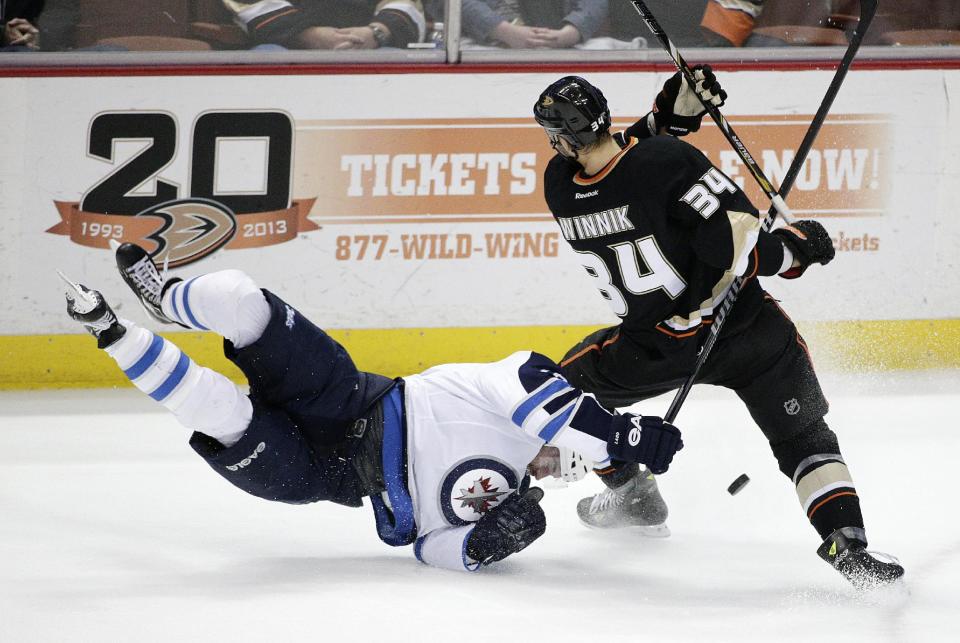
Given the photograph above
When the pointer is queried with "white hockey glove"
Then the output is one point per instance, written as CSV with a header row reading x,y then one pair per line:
x,y
678,107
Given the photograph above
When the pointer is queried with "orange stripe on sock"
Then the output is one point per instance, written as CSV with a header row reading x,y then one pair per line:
x,y
825,501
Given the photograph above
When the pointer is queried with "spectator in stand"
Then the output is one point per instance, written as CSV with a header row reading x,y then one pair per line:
x,y
694,23
19,20
331,24
727,23
532,24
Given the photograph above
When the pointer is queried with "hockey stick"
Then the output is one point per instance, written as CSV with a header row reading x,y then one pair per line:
x,y
868,9
718,118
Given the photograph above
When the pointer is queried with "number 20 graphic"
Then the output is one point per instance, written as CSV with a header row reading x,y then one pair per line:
x,y
112,195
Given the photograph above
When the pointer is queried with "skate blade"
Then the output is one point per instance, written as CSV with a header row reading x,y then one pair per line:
x,y
83,299
654,531
647,531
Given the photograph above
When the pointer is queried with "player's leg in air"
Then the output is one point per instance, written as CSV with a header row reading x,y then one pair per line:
x,y
304,387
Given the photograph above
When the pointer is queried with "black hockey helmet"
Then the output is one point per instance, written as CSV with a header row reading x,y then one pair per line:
x,y
573,110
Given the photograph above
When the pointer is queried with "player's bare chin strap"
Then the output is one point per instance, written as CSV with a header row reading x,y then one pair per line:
x,y
812,460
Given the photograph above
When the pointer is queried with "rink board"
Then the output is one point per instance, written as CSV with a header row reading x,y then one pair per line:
x,y
411,221
72,361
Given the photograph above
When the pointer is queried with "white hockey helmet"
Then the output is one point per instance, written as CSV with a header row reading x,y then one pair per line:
x,y
573,466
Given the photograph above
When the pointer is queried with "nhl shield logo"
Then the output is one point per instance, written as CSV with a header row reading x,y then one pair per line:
x,y
791,406
473,487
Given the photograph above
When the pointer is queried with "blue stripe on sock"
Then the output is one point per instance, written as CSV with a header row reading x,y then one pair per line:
x,y
553,426
186,306
535,400
174,290
173,379
146,360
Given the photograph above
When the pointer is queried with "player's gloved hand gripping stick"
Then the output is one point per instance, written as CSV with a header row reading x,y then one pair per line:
x,y
689,76
678,108
644,439
867,10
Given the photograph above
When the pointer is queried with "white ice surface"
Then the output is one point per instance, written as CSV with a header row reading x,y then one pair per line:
x,y
112,530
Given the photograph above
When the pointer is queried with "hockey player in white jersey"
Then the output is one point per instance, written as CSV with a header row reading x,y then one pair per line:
x,y
443,456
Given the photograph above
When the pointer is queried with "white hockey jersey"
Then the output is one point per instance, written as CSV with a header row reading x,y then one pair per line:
x,y
472,429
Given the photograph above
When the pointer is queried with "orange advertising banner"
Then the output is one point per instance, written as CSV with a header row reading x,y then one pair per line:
x,y
490,169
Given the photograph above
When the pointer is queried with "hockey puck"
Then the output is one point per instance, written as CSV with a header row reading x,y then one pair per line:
x,y
738,484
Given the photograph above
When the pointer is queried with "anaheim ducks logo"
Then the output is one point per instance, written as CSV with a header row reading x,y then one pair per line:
x,y
190,230
547,101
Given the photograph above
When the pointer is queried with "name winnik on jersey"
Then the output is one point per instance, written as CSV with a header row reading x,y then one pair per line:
x,y
595,224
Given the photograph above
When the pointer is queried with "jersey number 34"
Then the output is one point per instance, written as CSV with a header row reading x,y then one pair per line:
x,y
654,273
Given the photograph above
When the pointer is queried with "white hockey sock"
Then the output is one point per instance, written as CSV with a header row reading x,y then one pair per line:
x,y
201,399
227,302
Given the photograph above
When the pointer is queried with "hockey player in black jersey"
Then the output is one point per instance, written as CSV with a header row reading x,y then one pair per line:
x,y
663,233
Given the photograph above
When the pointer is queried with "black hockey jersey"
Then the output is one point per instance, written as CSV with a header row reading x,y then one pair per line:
x,y
663,234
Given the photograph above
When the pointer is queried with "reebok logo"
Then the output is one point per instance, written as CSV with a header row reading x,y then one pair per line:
x,y
290,313
586,195
247,460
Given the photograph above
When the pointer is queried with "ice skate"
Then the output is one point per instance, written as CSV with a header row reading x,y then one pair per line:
x,y
140,273
864,569
637,503
90,309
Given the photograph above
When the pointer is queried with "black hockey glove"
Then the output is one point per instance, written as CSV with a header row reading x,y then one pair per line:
x,y
508,528
678,107
809,243
644,439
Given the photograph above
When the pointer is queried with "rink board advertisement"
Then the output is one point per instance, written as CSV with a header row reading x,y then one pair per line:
x,y
414,203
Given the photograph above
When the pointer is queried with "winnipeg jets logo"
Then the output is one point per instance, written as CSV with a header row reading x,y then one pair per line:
x,y
473,487
480,496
